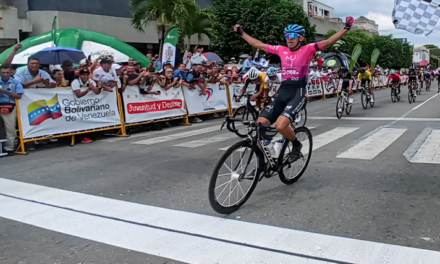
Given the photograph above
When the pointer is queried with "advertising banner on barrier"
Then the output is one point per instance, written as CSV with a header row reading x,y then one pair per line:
x,y
235,90
215,99
314,87
154,104
53,111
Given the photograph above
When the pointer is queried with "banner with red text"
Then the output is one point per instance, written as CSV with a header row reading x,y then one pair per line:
x,y
215,99
141,105
54,111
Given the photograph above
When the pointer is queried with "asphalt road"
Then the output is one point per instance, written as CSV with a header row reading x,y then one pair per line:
x,y
390,196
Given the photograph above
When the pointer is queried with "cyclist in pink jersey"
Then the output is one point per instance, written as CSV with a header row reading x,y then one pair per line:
x,y
295,61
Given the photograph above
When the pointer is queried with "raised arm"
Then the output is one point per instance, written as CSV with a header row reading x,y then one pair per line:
x,y
253,42
11,55
332,40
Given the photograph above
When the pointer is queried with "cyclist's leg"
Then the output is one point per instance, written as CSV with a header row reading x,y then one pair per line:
x,y
293,108
270,114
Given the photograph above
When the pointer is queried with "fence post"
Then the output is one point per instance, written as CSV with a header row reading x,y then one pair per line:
x,y
21,149
121,132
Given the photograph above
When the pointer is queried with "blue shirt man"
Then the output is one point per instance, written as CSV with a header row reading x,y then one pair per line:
x,y
32,77
180,72
10,89
247,65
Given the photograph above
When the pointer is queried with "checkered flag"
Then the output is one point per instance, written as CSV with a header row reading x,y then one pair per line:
x,y
416,16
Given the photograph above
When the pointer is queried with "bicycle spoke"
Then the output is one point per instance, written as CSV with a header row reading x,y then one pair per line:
x,y
224,189
223,184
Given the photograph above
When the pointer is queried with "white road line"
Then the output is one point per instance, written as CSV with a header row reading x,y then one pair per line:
x,y
184,236
196,132
420,105
206,141
373,144
330,136
429,151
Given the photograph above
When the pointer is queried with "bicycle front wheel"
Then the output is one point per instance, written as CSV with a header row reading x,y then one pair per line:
x,y
339,107
234,178
291,172
246,114
364,99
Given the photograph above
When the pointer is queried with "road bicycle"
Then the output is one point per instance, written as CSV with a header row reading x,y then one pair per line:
x,y
412,90
343,103
366,97
419,87
394,94
247,162
251,112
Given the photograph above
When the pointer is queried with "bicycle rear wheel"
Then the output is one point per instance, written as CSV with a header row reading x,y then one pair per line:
x,y
372,103
393,95
291,172
243,113
348,108
301,118
339,107
234,177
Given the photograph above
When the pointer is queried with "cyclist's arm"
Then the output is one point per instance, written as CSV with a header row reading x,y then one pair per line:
x,y
332,40
245,86
359,77
260,91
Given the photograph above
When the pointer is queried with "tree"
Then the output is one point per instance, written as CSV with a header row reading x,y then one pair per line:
x,y
164,13
430,46
201,25
262,19
393,52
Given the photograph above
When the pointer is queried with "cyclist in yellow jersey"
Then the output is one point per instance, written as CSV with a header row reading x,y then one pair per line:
x,y
262,87
364,77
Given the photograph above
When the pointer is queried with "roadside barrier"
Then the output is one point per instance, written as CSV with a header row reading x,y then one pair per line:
x,y
53,113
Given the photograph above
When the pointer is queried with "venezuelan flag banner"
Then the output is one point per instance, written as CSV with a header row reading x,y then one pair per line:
x,y
53,111
41,110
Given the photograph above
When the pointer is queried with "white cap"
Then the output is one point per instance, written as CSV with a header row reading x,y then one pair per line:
x,y
116,66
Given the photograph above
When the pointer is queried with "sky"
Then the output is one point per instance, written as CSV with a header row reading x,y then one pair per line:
x,y
380,11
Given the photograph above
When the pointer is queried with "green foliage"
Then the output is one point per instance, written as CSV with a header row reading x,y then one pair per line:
x,y
430,46
166,14
393,53
434,57
264,20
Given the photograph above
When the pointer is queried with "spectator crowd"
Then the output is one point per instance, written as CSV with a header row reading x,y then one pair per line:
x,y
103,75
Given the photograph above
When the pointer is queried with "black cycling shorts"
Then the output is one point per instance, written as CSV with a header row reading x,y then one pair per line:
x,y
289,102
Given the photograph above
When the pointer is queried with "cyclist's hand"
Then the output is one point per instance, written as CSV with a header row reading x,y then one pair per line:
x,y
238,30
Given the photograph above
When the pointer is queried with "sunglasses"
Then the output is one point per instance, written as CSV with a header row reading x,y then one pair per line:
x,y
291,35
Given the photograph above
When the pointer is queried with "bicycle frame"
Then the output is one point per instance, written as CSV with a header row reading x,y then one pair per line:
x,y
253,137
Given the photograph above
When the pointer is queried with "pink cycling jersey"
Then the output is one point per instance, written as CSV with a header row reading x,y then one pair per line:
x,y
295,64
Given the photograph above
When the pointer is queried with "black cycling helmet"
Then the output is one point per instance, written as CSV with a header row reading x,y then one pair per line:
x,y
362,70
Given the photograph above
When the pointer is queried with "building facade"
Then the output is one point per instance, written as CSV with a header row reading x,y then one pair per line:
x,y
420,56
111,17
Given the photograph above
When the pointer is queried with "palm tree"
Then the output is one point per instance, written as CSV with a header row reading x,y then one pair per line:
x,y
164,13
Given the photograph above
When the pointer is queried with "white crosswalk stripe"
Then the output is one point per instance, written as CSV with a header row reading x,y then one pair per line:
x,y
332,135
373,144
206,141
429,151
196,132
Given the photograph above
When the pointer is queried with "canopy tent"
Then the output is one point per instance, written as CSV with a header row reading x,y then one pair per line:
x,y
90,42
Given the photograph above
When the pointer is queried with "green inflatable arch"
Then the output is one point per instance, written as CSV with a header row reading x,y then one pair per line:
x,y
74,37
